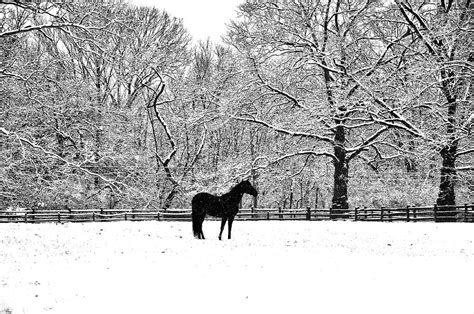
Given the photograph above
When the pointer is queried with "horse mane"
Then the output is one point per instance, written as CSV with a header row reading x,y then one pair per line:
x,y
237,186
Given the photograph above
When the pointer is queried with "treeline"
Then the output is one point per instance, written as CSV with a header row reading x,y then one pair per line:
x,y
320,103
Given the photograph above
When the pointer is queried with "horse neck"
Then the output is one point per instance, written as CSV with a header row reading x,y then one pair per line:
x,y
233,196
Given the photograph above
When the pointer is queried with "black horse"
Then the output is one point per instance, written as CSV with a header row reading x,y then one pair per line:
x,y
225,206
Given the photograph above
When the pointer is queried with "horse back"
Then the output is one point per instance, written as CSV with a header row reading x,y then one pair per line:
x,y
206,203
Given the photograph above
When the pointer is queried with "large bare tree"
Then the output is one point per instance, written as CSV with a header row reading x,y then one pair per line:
x,y
442,37
317,75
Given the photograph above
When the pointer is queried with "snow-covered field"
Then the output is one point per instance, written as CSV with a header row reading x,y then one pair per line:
x,y
268,267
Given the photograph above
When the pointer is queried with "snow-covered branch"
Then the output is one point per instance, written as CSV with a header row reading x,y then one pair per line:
x,y
50,25
50,154
366,143
284,131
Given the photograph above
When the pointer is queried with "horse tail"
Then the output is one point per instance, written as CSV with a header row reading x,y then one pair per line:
x,y
197,219
197,224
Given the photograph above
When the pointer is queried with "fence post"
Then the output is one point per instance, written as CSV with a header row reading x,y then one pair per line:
x,y
93,216
26,217
125,216
158,216
308,213
381,213
59,217
330,213
279,210
268,215
435,212
356,213
465,212
408,213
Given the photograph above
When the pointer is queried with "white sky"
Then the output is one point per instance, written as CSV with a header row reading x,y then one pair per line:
x,y
202,18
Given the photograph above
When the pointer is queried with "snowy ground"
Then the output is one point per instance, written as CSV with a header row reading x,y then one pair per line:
x,y
268,267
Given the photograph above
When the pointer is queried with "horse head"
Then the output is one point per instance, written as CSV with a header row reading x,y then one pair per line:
x,y
246,187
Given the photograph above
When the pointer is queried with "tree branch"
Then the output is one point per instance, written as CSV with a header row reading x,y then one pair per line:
x,y
283,131
112,183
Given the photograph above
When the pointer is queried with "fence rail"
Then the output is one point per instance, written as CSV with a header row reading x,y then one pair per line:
x,y
459,213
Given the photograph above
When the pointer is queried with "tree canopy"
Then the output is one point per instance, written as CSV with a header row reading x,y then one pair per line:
x,y
332,103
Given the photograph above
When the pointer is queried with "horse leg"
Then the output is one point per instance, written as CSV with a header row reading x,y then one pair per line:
x,y
229,226
224,218
201,234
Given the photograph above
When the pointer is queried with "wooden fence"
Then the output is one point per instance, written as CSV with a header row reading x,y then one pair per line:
x,y
460,213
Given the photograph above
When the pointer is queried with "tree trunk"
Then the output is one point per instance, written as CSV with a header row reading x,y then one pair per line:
x,y
446,194
291,198
341,173
253,172
316,197
255,198
98,144
170,197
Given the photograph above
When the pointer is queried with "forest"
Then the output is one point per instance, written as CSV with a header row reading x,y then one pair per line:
x,y
319,103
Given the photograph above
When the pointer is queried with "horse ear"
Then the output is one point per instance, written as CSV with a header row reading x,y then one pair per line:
x,y
246,178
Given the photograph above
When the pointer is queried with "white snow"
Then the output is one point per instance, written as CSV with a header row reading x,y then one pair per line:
x,y
268,267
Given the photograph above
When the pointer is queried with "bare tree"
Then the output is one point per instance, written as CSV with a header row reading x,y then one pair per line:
x,y
317,70
87,73
39,94
442,31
